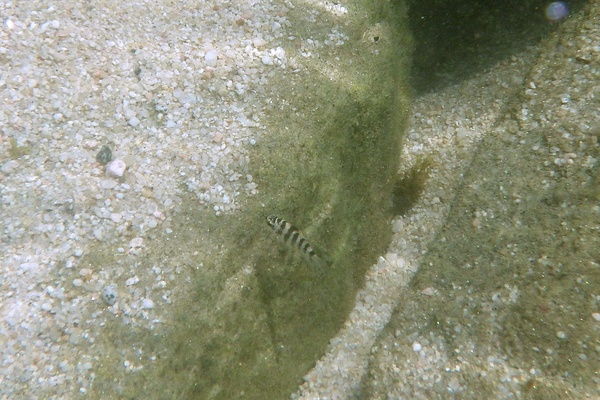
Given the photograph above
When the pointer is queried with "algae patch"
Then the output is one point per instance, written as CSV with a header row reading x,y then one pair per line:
x,y
410,185
17,151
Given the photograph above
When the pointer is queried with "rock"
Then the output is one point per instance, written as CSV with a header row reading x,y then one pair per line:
x,y
116,168
104,156
109,294
147,304
211,58
9,166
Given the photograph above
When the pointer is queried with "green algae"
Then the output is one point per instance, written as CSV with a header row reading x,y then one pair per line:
x,y
410,185
17,151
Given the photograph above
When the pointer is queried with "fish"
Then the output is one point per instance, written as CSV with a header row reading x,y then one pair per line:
x,y
292,237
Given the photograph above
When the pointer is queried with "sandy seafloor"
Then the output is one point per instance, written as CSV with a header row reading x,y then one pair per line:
x,y
76,77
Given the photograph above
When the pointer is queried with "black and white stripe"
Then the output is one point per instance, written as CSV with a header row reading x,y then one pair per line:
x,y
292,237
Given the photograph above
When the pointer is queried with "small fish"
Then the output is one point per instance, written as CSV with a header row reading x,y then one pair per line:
x,y
293,238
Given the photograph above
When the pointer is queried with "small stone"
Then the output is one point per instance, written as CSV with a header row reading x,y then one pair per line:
x,y
211,58
29,267
107,183
98,233
147,303
132,281
136,242
416,347
116,168
63,366
267,60
9,166
561,335
104,156
596,316
454,384
398,226
109,294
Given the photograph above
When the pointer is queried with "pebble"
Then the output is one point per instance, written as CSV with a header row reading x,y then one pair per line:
x,y
9,166
398,226
98,234
132,281
107,183
116,217
267,60
104,156
210,58
147,304
116,168
136,242
133,121
86,272
109,294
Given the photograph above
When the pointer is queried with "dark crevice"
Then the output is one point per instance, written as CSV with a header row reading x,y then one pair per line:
x,y
456,39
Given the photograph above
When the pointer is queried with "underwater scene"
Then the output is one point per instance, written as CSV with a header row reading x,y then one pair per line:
x,y
305,199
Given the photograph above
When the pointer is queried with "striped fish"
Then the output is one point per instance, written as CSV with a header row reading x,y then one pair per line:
x,y
293,238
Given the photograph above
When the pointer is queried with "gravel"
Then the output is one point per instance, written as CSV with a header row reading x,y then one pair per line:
x,y
176,93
